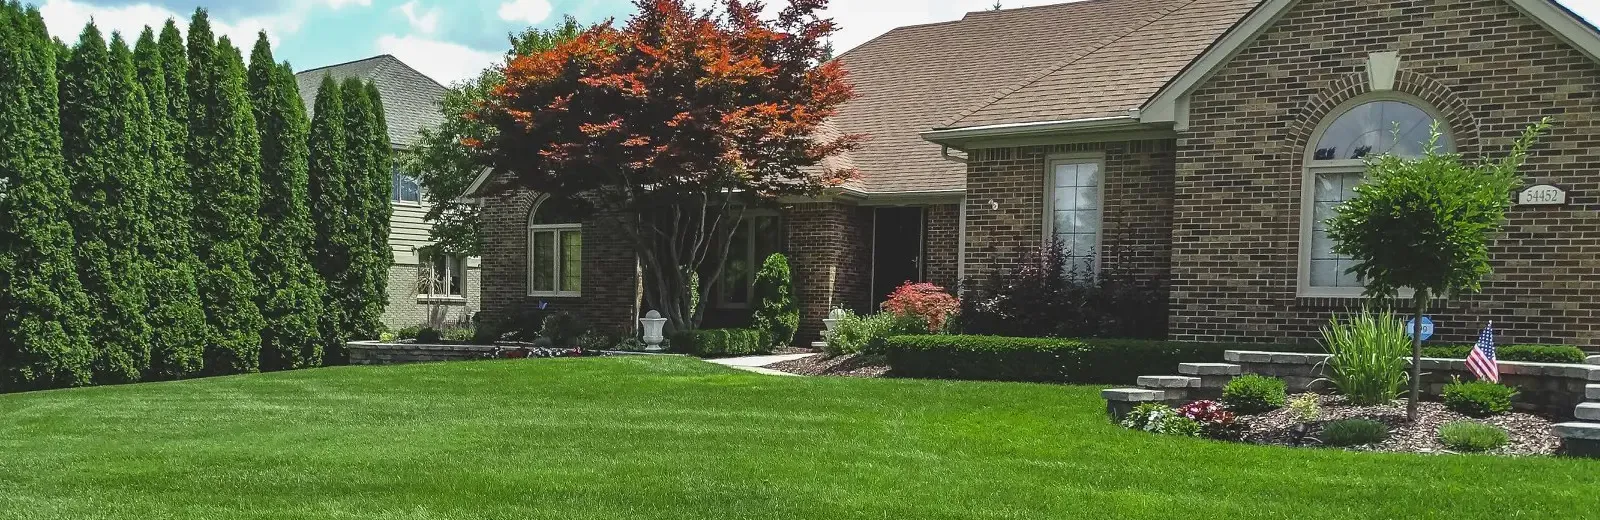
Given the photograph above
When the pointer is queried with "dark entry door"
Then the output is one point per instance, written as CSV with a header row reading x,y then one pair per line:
x,y
896,250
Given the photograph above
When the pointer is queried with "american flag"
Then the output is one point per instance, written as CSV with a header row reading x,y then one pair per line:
x,y
1481,360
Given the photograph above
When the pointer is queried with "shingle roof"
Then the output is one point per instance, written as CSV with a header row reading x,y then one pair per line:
x,y
410,99
1079,59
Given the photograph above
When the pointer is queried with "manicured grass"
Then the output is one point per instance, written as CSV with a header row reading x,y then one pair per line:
x,y
677,438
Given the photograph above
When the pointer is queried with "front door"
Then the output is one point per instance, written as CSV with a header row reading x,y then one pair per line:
x,y
896,250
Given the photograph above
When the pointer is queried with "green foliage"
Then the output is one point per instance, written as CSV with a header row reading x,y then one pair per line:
x,y
1162,419
868,334
1048,360
327,188
1425,223
563,329
291,295
410,332
1478,398
446,167
1469,436
1305,408
1531,353
429,335
104,135
177,319
224,172
46,343
720,342
1353,432
1369,353
1253,394
367,166
1180,426
776,312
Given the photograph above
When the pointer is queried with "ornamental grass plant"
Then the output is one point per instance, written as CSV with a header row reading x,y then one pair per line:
x,y
1368,362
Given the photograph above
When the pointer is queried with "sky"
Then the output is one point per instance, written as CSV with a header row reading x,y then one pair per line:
x,y
450,40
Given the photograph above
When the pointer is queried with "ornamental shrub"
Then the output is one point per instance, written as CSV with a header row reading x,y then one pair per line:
x,y
869,334
1253,394
1180,426
720,342
1048,360
563,329
1470,436
1529,353
1478,398
1369,351
1305,408
1353,432
1145,415
1047,294
1215,421
776,312
429,335
929,302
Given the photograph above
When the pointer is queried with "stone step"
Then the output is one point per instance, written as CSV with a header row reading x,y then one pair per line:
x,y
819,345
1132,395
1577,430
1164,382
1589,411
1593,360
1209,369
1591,392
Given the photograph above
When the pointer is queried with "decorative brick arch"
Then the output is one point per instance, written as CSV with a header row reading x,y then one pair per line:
x,y
1463,125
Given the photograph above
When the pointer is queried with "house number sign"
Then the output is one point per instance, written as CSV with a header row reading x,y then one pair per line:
x,y
1542,195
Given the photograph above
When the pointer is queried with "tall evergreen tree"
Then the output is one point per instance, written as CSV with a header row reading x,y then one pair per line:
x,y
43,341
101,131
366,165
224,171
379,183
175,70
291,292
328,189
177,320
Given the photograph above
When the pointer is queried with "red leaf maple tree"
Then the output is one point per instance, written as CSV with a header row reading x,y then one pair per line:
x,y
672,127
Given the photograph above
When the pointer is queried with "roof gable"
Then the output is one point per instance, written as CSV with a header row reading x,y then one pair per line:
x,y
410,99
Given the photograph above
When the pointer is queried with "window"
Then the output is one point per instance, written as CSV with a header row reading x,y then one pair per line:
x,y
555,249
1335,165
404,188
447,273
1073,210
758,237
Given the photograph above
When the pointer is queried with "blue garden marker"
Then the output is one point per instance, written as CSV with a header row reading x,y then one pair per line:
x,y
1427,327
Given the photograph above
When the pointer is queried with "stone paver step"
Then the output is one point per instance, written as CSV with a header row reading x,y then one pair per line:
x,y
1169,382
1591,392
1208,369
1577,430
1132,395
1589,411
1593,360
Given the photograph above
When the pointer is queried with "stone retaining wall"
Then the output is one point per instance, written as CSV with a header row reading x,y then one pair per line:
x,y
378,353
1553,389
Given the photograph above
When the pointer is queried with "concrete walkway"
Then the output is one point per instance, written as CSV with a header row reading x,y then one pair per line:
x,y
757,364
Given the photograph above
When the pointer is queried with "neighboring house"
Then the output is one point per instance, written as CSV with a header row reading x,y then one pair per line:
x,y
1193,143
444,286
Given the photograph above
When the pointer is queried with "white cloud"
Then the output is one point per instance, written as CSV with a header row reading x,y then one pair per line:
x,y
337,4
424,23
66,18
526,11
445,62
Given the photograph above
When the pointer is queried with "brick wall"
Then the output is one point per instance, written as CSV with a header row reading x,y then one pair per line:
x,y
1136,212
830,248
405,311
1489,69
610,273
942,249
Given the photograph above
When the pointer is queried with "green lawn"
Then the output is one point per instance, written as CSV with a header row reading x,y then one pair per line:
x,y
676,438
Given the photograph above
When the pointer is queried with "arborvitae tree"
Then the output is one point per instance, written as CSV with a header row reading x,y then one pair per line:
x,y
175,70
291,292
224,172
43,342
379,183
177,320
369,214
328,189
102,126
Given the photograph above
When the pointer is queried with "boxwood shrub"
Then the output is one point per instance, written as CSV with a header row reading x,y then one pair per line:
x,y
1531,353
1253,394
720,342
1050,360
1478,398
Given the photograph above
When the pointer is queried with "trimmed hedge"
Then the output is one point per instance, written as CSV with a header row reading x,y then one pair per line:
x,y
720,342
1051,360
1530,353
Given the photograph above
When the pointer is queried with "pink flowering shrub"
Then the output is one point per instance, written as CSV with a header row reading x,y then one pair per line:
x,y
924,300
1215,420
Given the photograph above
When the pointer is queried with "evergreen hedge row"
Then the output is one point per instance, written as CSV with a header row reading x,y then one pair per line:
x,y
1052,360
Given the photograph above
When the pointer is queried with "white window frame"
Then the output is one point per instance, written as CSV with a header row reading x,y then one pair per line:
x,y
749,221
453,265
1308,175
394,175
555,229
1050,163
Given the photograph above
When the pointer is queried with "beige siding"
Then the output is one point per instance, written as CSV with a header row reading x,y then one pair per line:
x,y
407,231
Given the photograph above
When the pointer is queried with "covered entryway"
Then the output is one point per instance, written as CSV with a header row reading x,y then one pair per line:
x,y
898,240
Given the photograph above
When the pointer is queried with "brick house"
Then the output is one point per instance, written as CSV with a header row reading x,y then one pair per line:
x,y
1195,143
410,103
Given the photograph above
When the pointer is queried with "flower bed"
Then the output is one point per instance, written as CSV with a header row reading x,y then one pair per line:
x,y
1529,434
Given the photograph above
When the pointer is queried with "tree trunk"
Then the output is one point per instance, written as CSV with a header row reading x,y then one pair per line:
x,y
1420,299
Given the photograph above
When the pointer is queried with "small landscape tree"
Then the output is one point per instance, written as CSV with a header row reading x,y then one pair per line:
x,y
776,313
668,127
1426,223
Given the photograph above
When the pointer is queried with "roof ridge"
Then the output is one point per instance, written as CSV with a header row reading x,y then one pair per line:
x,y
420,74
369,58
983,12
1160,13
892,31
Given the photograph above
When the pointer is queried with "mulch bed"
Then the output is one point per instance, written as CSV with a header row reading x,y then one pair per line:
x,y
1530,434
849,365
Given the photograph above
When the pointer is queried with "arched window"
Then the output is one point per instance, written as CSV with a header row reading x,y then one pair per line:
x,y
1334,165
555,248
